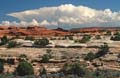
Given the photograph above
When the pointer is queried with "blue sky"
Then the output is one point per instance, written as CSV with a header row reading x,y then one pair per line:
x,y
13,6
9,6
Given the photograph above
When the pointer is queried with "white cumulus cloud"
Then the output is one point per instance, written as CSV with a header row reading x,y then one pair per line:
x,y
67,15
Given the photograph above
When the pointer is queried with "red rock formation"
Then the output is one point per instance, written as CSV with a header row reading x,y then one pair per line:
x,y
30,31
61,29
42,31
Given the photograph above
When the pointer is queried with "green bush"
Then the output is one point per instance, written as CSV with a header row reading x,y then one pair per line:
x,y
1,67
10,61
90,56
29,38
43,71
116,37
45,58
76,41
42,42
108,33
85,39
49,53
69,37
4,40
73,69
106,74
24,68
118,56
104,49
98,37
12,44
2,60
23,57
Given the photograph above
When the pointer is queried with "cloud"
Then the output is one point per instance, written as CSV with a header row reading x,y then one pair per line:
x,y
67,15
24,23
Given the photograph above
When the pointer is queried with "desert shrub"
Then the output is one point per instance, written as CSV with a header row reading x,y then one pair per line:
x,y
116,37
42,42
12,44
23,57
76,41
2,60
24,68
108,33
75,69
29,38
104,49
43,71
7,75
1,67
10,61
98,37
49,53
4,40
85,39
106,74
69,37
45,58
118,56
90,56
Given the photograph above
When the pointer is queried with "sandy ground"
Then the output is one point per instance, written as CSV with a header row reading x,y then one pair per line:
x,y
34,52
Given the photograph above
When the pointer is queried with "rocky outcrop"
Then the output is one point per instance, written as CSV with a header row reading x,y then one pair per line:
x,y
94,29
61,29
30,31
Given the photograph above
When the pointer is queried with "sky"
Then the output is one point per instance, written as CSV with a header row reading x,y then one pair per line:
x,y
60,13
